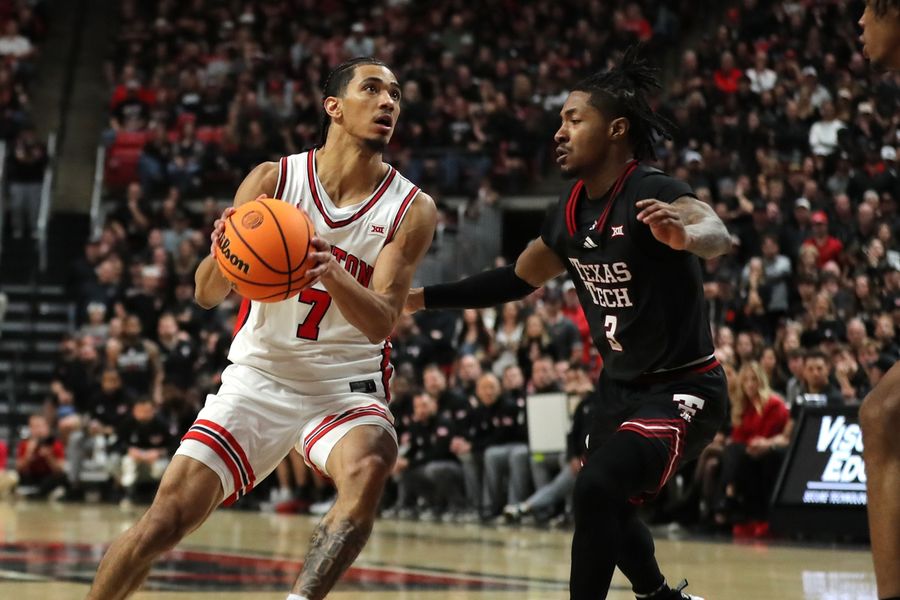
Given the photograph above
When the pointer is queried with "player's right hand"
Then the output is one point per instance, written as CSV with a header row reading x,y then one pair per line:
x,y
219,229
415,301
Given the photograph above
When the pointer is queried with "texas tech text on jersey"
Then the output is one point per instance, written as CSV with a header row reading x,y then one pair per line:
x,y
593,274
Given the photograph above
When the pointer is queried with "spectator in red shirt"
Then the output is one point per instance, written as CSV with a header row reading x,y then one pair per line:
x,y
829,247
761,426
39,460
635,22
571,308
727,76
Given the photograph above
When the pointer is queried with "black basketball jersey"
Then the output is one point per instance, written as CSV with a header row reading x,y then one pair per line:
x,y
642,299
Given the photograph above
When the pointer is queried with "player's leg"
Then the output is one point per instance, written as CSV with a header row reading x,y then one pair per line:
x,y
880,421
606,530
189,492
642,449
239,437
360,463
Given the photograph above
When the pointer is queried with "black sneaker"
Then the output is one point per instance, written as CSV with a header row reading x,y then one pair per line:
x,y
678,594
675,593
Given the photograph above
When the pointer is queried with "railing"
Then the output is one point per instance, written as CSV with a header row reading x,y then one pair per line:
x,y
46,200
97,193
2,193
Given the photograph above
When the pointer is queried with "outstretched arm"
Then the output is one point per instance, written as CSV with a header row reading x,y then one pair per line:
x,y
686,224
537,265
375,311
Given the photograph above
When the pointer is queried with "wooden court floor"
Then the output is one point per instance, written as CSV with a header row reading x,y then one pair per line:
x,y
50,551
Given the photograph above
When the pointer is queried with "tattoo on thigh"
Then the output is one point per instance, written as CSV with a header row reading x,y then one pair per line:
x,y
331,551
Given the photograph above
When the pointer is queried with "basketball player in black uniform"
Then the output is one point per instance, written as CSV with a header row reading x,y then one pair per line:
x,y
629,237
879,416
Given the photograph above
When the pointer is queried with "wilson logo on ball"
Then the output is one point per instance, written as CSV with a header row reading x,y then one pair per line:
x,y
252,220
239,264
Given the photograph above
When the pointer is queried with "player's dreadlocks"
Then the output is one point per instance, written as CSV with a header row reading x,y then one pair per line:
x,y
881,7
337,81
619,92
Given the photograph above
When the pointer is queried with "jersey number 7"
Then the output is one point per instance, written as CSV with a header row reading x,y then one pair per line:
x,y
319,301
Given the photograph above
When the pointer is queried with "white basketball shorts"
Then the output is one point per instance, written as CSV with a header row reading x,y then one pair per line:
x,y
250,425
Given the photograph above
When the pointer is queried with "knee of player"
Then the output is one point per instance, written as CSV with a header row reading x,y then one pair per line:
x,y
376,466
594,488
880,413
161,529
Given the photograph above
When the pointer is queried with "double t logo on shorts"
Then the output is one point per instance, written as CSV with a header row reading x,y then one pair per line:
x,y
688,405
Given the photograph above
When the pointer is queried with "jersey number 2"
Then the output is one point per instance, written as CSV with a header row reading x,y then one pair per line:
x,y
610,325
319,301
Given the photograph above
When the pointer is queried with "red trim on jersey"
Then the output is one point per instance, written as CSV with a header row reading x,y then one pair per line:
x,y
386,369
234,444
373,410
311,180
570,207
242,317
572,204
707,367
331,418
324,422
404,207
282,178
212,443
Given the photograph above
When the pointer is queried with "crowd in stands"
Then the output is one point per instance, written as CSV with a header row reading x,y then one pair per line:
x,y
204,91
23,25
782,127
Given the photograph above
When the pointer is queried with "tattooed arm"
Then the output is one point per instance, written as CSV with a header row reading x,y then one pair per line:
x,y
686,224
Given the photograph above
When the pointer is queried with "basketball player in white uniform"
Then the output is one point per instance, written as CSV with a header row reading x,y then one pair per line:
x,y
312,372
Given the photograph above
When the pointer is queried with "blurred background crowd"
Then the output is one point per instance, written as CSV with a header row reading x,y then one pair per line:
x,y
781,126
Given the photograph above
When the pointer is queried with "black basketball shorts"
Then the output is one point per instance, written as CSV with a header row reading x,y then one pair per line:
x,y
678,415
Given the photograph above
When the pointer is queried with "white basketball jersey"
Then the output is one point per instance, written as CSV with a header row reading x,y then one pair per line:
x,y
306,340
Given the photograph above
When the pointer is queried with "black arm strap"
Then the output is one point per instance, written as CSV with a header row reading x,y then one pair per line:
x,y
489,288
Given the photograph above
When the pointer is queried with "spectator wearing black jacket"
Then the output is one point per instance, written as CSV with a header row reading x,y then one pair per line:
x,y
450,405
428,470
87,448
145,444
500,432
817,389
177,354
409,345
26,173
543,377
552,492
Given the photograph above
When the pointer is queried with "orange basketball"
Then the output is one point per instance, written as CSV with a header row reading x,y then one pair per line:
x,y
264,250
